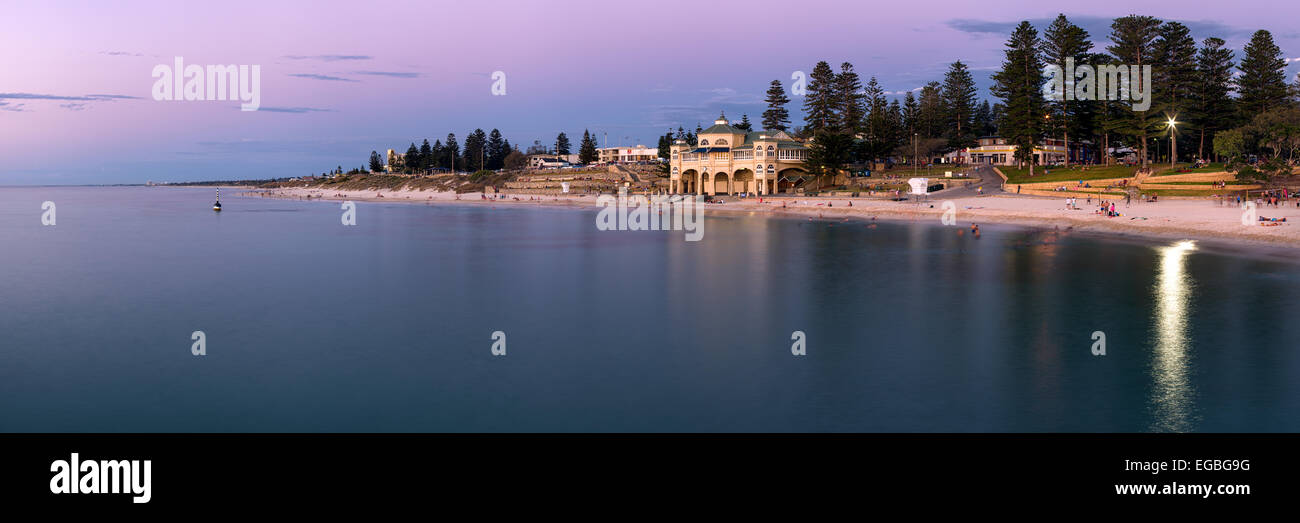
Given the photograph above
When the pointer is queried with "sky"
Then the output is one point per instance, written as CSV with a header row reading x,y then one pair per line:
x,y
340,79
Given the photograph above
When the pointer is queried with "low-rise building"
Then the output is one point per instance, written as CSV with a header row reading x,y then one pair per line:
x,y
548,161
638,154
995,150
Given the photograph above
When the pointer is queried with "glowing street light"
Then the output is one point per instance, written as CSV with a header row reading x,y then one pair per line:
x,y
1173,140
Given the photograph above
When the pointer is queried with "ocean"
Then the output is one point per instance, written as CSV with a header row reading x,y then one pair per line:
x,y
389,325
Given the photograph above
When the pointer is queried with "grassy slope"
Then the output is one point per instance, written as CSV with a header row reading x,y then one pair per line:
x,y
1061,174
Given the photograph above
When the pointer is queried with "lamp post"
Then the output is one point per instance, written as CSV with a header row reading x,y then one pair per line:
x,y
1173,141
915,153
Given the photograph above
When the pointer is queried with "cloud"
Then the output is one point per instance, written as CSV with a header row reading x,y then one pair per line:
x,y
901,93
294,110
6,106
1097,26
74,103
111,97
35,96
390,74
311,76
120,53
687,115
85,98
330,57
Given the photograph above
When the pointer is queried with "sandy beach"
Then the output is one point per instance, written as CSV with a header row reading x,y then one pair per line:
x,y
1170,219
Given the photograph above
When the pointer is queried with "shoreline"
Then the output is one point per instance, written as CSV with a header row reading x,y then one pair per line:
x,y
1165,220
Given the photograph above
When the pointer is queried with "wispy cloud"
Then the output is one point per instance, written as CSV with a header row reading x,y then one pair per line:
x,y
330,57
74,103
390,74
294,110
14,108
714,100
312,76
1097,26
120,53
111,97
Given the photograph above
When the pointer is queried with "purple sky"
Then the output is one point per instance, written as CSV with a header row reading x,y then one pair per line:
x,y
340,79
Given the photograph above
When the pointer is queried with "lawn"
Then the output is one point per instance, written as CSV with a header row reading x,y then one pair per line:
x,y
1209,168
1063,174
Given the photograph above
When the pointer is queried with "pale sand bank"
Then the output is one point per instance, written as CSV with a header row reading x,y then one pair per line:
x,y
1173,219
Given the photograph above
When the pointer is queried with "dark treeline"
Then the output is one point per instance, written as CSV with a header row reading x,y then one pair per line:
x,y
481,151
1195,96
1225,108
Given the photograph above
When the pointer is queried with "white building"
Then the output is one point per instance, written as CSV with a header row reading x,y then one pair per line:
x,y
637,154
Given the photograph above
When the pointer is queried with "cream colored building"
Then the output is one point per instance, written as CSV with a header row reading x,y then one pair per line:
x,y
636,154
728,160
996,150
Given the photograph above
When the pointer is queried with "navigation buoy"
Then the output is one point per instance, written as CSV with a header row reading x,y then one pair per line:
x,y
217,206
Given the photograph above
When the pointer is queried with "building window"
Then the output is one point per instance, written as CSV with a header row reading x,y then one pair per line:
x,y
771,169
704,142
720,142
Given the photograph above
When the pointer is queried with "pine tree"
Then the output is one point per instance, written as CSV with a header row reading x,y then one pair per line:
x,y
1175,51
849,100
411,160
959,101
911,113
930,112
1062,41
1210,91
876,129
497,149
452,152
819,102
435,159
474,157
1133,42
982,121
1018,84
376,162
562,144
1262,83
426,156
744,124
776,117
665,146
587,148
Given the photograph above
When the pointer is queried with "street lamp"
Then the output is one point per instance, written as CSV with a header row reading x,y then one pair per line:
x,y
915,152
1173,141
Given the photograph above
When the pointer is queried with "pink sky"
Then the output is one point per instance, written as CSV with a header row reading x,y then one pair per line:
x,y
420,70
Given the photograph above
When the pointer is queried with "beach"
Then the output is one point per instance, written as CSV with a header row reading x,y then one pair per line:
x,y
1169,219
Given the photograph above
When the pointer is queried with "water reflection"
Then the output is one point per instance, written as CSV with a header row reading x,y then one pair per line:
x,y
1171,396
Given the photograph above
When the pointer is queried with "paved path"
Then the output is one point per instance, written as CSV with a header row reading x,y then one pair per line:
x,y
988,179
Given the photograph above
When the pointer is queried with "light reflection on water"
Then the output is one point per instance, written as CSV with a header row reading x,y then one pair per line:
x,y
1172,395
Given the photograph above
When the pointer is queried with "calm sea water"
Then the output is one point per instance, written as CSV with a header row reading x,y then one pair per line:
x,y
387,326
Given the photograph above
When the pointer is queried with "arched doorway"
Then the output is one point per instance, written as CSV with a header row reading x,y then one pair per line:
x,y
686,185
744,181
721,183
705,186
